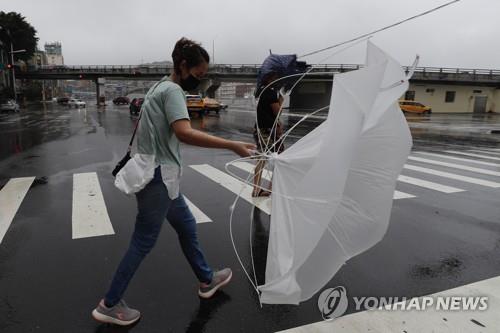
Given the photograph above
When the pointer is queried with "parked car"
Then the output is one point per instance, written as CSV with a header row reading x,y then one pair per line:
x,y
77,103
135,105
414,107
62,100
9,105
121,100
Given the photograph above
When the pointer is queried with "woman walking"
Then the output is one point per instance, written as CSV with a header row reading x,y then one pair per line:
x,y
164,123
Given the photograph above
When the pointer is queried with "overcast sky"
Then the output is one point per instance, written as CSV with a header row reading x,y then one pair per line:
x,y
131,32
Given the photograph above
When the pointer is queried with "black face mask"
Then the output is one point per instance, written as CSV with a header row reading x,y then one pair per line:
x,y
190,83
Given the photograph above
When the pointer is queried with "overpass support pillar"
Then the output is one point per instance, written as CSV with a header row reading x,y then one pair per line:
x,y
100,91
208,87
310,96
210,92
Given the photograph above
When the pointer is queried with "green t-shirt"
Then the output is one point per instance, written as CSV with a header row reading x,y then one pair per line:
x,y
164,103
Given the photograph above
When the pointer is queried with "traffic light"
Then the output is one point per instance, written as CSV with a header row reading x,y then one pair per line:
x,y
80,76
9,66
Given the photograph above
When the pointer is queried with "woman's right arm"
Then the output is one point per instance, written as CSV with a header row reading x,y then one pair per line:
x,y
185,133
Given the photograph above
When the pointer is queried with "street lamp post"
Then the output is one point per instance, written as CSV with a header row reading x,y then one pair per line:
x,y
13,68
213,48
13,71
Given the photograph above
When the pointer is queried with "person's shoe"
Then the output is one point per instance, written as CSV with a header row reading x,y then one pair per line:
x,y
120,314
219,279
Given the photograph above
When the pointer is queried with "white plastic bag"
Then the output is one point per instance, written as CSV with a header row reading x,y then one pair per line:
x,y
136,174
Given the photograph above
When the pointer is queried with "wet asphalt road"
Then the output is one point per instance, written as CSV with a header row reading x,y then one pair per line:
x,y
50,282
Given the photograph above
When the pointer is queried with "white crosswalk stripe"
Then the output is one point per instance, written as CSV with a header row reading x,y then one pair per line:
x,y
402,195
459,159
472,155
429,185
11,197
456,166
485,152
234,185
454,176
428,320
248,167
199,216
89,215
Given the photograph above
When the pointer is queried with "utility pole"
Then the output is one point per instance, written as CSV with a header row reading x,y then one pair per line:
x,y
3,71
13,69
12,63
43,91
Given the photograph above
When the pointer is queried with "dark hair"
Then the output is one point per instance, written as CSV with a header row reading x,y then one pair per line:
x,y
191,51
270,77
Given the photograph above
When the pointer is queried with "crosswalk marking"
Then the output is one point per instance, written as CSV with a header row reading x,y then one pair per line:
x,y
402,195
199,216
428,320
459,159
11,197
234,185
449,175
485,152
456,166
248,167
472,155
89,216
429,185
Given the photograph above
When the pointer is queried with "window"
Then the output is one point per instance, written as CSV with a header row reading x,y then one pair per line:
x,y
430,90
477,91
410,95
450,97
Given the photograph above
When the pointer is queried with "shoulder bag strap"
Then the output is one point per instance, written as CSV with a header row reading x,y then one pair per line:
x,y
140,115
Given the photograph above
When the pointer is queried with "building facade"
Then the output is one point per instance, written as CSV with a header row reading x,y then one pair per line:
x,y
54,54
39,58
230,90
455,98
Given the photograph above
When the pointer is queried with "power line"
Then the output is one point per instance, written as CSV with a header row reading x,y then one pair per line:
x,y
382,29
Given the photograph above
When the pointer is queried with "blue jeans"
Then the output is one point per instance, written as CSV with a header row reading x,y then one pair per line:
x,y
154,205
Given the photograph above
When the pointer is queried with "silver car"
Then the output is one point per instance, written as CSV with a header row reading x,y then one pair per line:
x,y
77,103
9,105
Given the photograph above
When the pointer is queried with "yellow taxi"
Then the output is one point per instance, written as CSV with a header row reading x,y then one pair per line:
x,y
195,103
414,107
212,104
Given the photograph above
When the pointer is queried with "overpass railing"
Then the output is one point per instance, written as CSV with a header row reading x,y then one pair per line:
x,y
252,69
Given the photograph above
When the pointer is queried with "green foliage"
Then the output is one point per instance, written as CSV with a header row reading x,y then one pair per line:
x,y
15,28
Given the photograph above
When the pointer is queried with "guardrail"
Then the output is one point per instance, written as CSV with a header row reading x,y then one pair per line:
x,y
249,67
250,71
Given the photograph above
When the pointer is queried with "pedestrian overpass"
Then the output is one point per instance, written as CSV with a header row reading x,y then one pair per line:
x,y
314,89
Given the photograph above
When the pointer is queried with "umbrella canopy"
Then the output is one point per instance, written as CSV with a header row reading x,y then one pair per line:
x,y
333,189
282,65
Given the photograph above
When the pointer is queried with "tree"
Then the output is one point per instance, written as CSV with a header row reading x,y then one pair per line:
x,y
15,28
